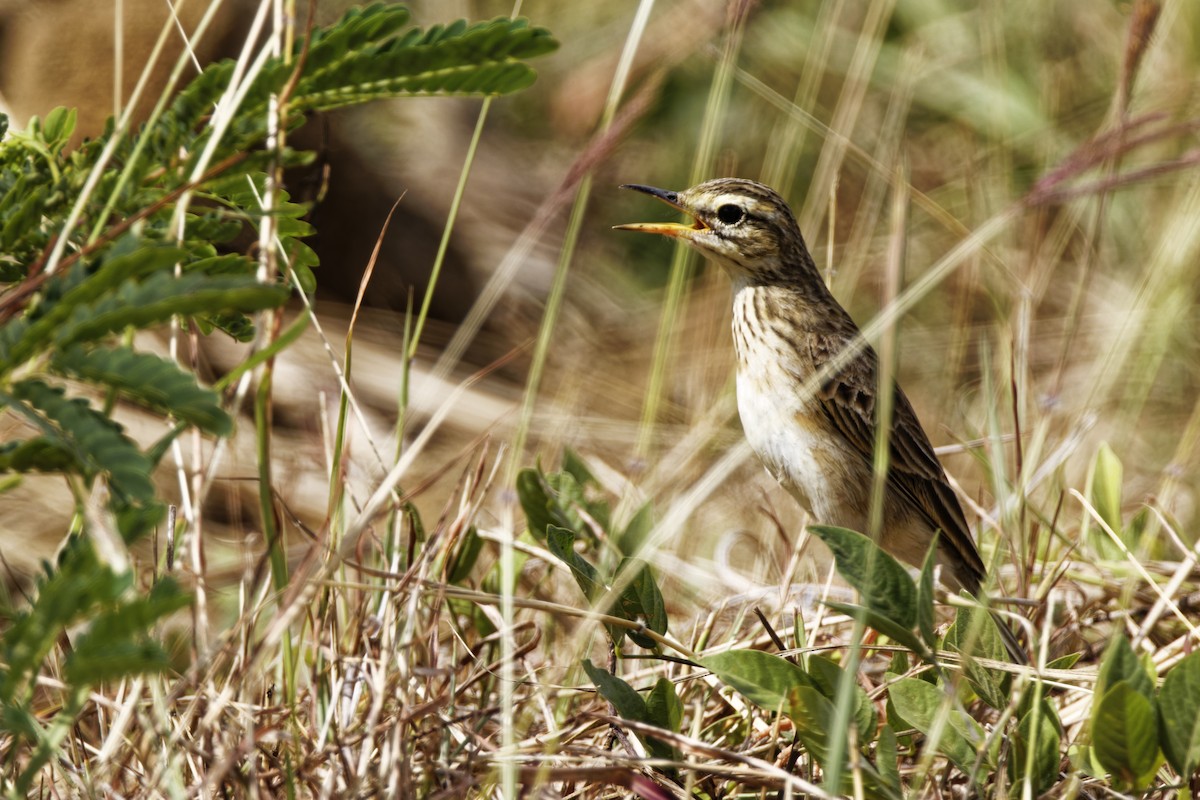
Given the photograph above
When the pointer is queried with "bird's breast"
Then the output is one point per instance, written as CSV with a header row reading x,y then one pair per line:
x,y
785,425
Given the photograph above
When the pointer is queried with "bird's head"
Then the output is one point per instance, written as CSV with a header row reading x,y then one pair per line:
x,y
742,225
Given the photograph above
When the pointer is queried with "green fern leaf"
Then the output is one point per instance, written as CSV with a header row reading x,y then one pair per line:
x,y
95,442
115,645
147,379
40,454
162,296
22,338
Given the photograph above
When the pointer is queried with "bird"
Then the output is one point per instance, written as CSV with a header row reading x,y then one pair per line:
x,y
787,328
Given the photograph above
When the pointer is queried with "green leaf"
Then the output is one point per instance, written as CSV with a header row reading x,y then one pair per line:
x,y
534,495
576,468
1125,734
152,381
885,626
1120,663
162,296
465,556
641,597
882,583
1036,748
630,541
666,712
767,681
887,761
922,704
624,698
974,634
925,595
22,338
561,543
1179,715
1065,662
811,713
59,125
827,676
40,454
94,441
663,707
1107,477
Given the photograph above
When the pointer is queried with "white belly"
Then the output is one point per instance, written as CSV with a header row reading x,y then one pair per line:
x,y
796,455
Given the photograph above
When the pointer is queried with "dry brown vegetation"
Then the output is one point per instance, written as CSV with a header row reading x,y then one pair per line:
x,y
426,644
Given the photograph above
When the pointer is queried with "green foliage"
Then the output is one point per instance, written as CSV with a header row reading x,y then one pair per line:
x,y
1124,723
559,508
936,713
149,380
1036,748
1106,476
660,708
126,233
974,635
1179,716
888,594
115,642
808,698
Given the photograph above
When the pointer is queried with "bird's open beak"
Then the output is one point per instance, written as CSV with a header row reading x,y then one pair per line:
x,y
674,229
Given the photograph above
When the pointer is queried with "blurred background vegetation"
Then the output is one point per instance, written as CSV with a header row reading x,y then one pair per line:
x,y
1084,304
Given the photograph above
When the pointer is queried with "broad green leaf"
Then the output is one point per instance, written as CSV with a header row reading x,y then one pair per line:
x,y
882,584
974,635
1125,734
533,495
1036,748
1179,715
663,707
576,468
642,598
767,681
826,677
664,710
922,704
59,125
152,381
812,713
624,698
465,555
887,761
1065,662
630,705
561,543
1120,663
630,541
884,625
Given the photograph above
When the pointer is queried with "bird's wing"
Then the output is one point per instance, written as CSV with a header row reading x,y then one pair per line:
x,y
848,398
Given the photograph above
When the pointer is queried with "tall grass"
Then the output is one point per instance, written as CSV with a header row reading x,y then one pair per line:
x,y
1007,196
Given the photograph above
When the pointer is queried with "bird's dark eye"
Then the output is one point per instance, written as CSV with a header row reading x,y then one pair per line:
x,y
731,214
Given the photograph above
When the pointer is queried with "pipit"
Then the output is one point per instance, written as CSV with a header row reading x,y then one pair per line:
x,y
788,328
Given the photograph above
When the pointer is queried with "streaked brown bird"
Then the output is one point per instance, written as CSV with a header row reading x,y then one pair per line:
x,y
787,327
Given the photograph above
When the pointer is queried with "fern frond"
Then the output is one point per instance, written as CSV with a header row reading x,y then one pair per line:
x,y
95,442
149,380
162,296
